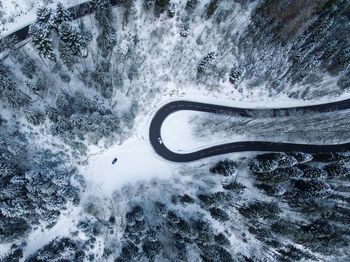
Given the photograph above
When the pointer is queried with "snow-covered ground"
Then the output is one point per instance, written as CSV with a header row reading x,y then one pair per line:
x,y
136,162
136,158
177,133
40,237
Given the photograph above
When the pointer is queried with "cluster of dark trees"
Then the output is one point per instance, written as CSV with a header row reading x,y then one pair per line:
x,y
14,254
59,249
156,233
141,239
272,161
10,92
51,25
299,208
72,116
66,248
107,37
309,36
161,6
104,80
306,39
225,167
314,188
34,185
205,62
55,35
161,231
79,117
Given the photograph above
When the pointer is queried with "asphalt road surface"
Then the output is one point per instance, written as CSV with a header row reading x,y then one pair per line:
x,y
166,110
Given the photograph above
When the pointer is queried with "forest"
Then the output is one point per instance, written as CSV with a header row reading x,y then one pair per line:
x,y
86,82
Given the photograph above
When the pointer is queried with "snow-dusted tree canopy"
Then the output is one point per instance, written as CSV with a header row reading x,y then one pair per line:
x,y
79,180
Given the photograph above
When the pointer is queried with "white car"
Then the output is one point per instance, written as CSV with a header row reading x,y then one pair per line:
x,y
160,140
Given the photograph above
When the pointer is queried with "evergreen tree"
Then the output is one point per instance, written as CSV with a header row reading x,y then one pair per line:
x,y
148,4
6,170
6,80
225,167
70,36
106,41
185,30
161,5
29,68
219,214
301,157
17,99
107,38
8,44
66,54
100,4
43,15
235,76
62,102
2,143
191,4
61,15
104,79
172,10
33,88
40,38
35,117
212,7
52,113
16,149
204,63
70,43
151,248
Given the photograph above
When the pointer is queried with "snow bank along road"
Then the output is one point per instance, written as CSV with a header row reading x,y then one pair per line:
x,y
166,110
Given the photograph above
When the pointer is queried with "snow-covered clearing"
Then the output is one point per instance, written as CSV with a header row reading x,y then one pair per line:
x,y
178,130
136,162
177,133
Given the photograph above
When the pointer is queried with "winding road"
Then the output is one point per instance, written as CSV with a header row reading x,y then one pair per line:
x,y
85,8
166,110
